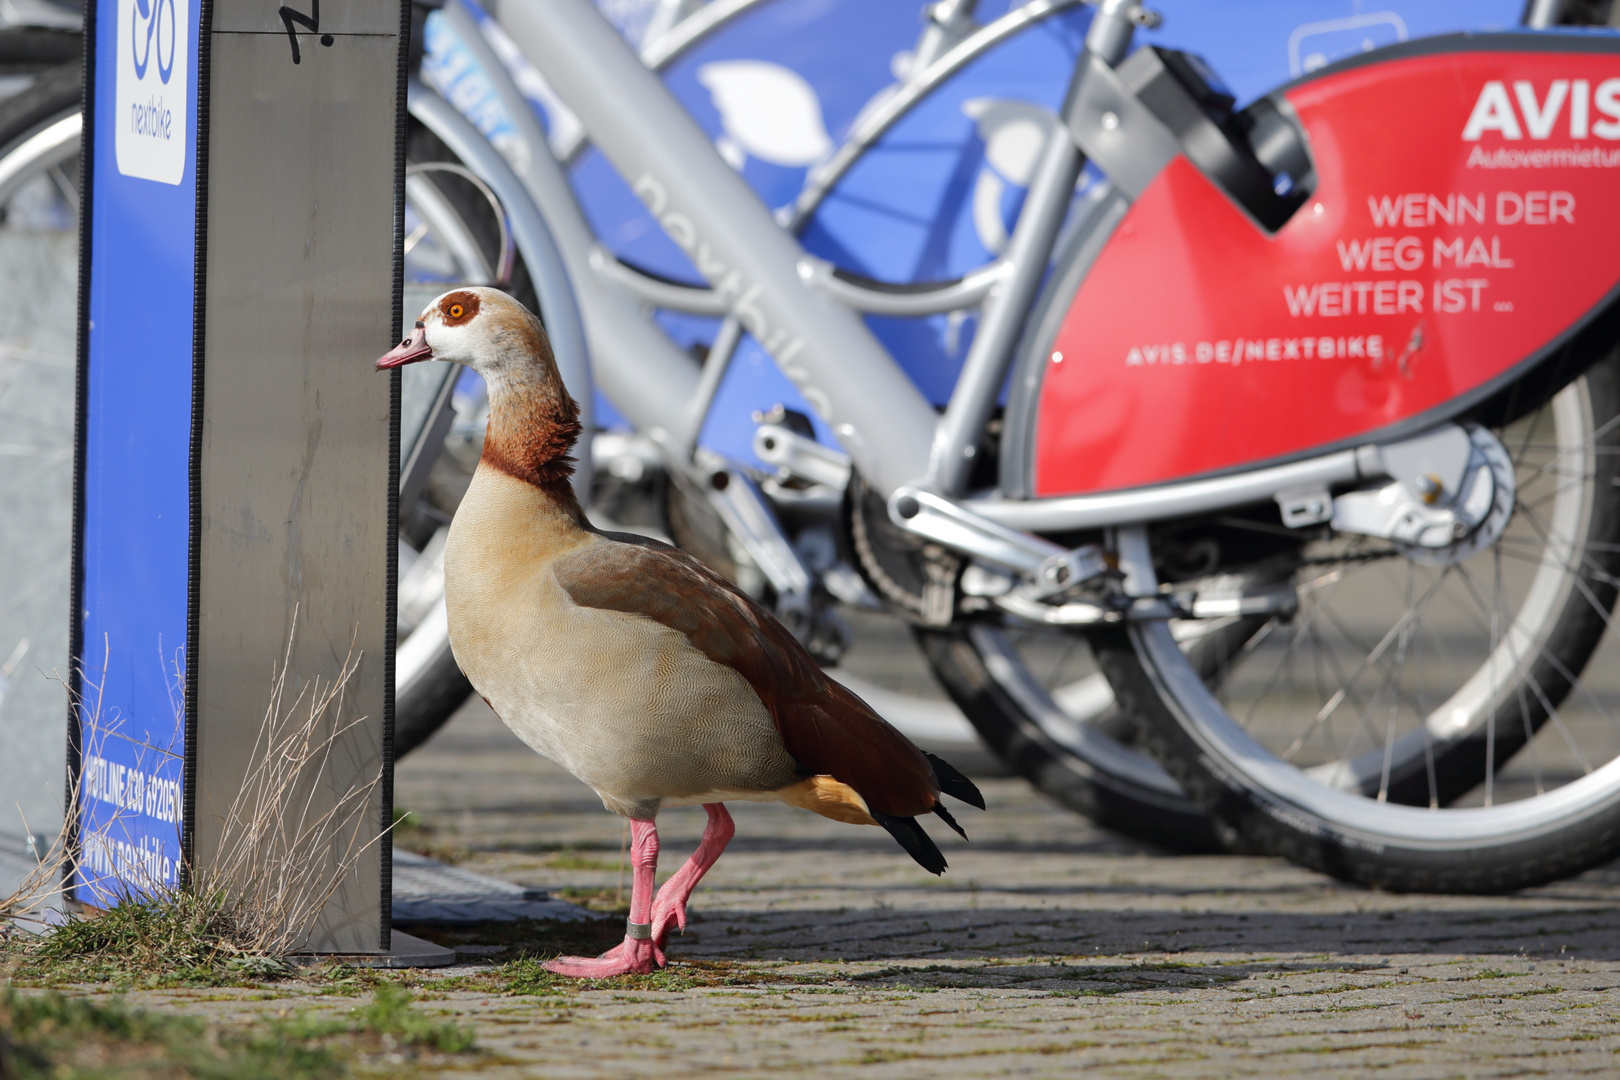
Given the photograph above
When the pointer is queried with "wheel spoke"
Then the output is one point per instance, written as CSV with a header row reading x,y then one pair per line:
x,y
1372,657
1534,685
1399,666
1579,570
1562,451
49,462
66,187
1557,491
1300,635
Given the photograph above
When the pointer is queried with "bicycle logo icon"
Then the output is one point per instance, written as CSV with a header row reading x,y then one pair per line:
x,y
157,26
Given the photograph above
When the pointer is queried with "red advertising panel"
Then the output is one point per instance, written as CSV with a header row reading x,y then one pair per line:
x,y
1467,212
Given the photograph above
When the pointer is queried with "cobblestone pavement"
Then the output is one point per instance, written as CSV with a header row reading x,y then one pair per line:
x,y
1049,947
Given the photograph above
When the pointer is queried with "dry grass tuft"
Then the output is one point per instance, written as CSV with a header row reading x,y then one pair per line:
x,y
282,853
27,908
286,846
32,907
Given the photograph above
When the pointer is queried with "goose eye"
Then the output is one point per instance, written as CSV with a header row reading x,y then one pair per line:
x,y
456,311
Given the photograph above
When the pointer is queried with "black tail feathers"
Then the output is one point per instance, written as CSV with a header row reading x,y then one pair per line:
x,y
954,784
917,843
909,834
945,816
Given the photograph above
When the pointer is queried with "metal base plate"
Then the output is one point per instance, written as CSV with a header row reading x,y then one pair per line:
x,y
406,952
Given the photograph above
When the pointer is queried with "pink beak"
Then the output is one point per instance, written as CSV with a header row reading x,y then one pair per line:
x,y
409,351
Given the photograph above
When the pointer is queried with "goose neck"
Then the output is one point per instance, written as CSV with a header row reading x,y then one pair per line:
x,y
532,429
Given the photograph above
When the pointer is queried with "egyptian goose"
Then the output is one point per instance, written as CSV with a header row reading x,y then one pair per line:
x,y
628,662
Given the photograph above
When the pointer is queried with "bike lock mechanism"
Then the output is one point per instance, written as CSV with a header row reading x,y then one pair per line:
x,y
1450,495
1133,116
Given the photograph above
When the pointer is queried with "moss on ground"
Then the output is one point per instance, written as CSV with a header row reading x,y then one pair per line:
x,y
65,1038
174,938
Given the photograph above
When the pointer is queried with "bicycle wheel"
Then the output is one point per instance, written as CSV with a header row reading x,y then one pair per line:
x,y
1421,721
1039,701
455,235
1033,696
39,255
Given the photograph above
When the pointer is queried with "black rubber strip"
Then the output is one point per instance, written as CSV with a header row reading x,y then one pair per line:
x,y
81,411
199,329
1465,41
391,605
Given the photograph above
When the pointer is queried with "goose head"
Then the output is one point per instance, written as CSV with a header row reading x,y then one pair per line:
x,y
532,421
486,330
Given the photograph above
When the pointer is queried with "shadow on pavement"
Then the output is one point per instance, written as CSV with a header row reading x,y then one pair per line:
x,y
986,935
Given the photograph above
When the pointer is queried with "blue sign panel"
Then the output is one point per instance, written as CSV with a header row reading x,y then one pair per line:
x,y
132,556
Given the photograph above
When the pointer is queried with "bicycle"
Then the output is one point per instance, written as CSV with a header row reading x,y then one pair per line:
x,y
1072,752
973,562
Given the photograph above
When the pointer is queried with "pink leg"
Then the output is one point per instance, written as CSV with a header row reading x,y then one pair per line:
x,y
637,954
671,903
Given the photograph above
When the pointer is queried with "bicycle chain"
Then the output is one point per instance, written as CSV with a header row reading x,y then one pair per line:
x,y
1366,556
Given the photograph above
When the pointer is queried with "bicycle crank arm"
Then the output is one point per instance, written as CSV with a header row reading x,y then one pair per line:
x,y
801,459
748,517
1046,568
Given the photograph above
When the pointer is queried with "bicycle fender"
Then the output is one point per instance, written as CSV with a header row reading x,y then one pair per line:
x,y
1460,232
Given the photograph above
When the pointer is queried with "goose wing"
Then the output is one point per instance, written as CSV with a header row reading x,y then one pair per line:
x,y
826,728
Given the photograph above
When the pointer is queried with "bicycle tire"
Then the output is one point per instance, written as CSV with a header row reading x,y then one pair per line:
x,y
39,271
428,689
57,92
1328,818
27,49
1092,771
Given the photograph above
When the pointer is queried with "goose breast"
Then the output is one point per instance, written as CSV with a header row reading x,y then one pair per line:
x,y
624,703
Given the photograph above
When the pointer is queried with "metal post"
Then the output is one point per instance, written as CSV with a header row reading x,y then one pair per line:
x,y
1543,13
1109,36
240,458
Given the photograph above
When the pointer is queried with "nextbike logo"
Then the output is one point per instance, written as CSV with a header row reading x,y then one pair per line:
x,y
1564,106
153,74
150,12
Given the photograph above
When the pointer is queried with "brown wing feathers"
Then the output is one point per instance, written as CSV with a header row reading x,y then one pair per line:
x,y
825,727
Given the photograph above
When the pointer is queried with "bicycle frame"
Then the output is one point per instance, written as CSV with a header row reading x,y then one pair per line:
x,y
806,317
760,276
732,239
